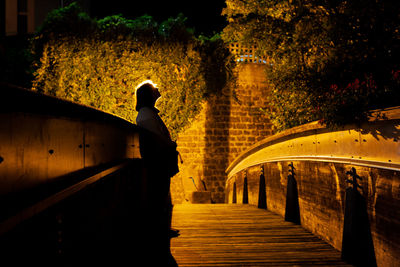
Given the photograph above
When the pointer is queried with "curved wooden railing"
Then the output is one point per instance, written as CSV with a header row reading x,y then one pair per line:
x,y
48,202
44,138
71,182
374,144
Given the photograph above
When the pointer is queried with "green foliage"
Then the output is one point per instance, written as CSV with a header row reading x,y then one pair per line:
x,y
144,27
217,63
62,21
175,29
66,20
314,45
102,67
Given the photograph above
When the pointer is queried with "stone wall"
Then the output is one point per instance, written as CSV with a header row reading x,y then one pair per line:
x,y
229,123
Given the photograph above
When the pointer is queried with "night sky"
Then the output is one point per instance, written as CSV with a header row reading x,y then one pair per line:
x,y
204,15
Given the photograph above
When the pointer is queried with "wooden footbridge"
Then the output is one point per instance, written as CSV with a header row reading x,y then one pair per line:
x,y
74,193
243,235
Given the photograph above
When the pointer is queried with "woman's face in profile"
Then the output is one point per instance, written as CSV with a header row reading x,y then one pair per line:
x,y
156,94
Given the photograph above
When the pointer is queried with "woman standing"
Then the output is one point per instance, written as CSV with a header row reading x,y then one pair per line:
x,y
159,157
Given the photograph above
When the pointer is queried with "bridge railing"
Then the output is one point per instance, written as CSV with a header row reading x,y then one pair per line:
x,y
304,174
373,144
70,186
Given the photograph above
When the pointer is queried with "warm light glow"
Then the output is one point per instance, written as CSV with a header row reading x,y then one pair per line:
x,y
146,81
150,82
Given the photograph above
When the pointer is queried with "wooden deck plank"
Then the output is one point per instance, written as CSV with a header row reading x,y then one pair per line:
x,y
242,235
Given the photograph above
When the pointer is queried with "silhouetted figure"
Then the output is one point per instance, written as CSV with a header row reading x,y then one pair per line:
x,y
159,157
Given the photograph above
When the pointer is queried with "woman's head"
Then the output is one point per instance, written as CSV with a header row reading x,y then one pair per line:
x,y
146,96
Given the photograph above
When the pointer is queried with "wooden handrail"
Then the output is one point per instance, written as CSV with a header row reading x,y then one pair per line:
x,y
56,198
365,146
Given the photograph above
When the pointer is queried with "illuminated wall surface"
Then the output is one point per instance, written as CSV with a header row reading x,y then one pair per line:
x,y
38,148
226,126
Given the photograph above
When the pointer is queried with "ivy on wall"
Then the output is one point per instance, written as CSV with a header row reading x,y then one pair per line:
x,y
100,63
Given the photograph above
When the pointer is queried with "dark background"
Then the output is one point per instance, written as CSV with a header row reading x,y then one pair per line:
x,y
204,15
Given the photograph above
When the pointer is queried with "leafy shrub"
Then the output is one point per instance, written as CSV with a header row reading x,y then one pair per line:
x,y
101,67
315,49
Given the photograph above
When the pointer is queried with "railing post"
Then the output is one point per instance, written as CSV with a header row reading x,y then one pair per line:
x,y
234,198
262,194
357,244
245,189
292,211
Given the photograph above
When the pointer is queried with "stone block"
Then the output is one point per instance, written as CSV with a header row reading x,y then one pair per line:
x,y
197,197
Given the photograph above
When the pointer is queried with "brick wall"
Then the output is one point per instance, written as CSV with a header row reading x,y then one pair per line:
x,y
229,123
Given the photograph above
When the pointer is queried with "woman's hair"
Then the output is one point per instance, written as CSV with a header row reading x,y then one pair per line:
x,y
144,96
